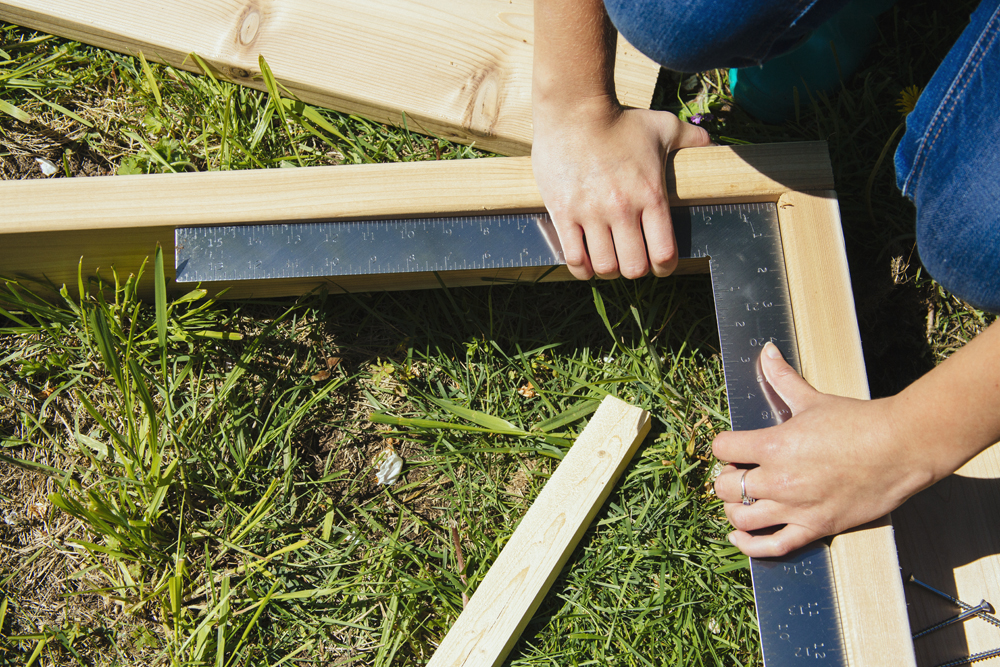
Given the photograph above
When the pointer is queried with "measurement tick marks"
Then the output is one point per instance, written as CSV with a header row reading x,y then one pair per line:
x,y
797,608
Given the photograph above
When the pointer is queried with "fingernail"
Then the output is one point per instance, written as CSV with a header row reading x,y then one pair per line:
x,y
772,351
732,540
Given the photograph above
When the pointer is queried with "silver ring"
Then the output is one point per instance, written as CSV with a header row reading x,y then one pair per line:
x,y
747,500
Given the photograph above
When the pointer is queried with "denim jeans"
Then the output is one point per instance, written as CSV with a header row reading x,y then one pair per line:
x,y
948,162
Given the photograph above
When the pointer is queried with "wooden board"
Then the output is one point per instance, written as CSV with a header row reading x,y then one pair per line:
x,y
947,537
866,569
510,593
46,225
467,72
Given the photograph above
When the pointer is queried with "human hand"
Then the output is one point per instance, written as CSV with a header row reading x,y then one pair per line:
x,y
837,463
600,168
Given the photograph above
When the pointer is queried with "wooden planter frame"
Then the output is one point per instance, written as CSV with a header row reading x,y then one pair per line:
x,y
47,225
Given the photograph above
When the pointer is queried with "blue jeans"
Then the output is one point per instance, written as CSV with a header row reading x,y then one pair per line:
x,y
948,162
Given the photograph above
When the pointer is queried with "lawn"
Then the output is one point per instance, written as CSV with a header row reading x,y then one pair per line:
x,y
193,481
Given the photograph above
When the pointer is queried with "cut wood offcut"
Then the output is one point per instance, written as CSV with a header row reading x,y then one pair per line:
x,y
510,593
458,69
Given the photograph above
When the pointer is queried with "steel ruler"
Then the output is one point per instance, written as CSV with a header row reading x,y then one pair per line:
x,y
795,595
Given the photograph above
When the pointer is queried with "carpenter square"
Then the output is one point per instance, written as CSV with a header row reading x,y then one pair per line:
x,y
795,595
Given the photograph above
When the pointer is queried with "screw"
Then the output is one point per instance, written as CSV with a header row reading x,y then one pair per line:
x,y
993,620
975,657
983,606
914,580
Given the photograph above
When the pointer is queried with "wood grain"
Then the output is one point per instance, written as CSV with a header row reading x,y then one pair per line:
x,y
47,225
866,568
947,537
458,69
531,560
747,174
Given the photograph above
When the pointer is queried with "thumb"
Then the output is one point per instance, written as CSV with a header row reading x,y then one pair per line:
x,y
675,133
687,135
786,383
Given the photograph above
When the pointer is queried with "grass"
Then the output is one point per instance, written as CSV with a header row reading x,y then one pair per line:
x,y
212,478
192,482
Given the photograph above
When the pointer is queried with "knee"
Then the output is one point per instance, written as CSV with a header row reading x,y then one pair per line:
x,y
959,250
687,35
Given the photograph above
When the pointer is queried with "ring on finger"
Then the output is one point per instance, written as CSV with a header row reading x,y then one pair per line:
x,y
747,500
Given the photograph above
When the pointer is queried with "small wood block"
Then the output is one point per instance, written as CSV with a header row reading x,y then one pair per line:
x,y
510,593
947,537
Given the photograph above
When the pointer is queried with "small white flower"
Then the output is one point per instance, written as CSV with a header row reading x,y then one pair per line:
x,y
46,166
390,465
713,626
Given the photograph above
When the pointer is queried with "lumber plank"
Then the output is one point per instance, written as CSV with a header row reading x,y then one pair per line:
x,y
46,225
513,588
711,176
866,568
947,537
458,69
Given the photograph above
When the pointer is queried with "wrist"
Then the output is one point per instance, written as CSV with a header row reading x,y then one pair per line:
x,y
562,110
573,70
925,456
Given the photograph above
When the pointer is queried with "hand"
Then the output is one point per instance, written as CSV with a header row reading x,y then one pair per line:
x,y
837,463
601,170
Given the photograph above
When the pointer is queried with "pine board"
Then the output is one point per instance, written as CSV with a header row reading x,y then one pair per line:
x,y
467,72
947,537
513,588
47,224
866,568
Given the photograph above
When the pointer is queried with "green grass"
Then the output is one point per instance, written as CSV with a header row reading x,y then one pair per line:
x,y
209,477
192,482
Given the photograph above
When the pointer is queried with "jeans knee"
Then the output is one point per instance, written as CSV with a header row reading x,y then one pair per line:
x,y
699,35
682,35
959,250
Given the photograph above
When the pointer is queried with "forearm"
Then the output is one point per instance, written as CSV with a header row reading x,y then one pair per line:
x,y
574,54
953,412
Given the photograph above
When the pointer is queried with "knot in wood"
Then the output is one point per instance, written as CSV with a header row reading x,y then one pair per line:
x,y
249,27
485,93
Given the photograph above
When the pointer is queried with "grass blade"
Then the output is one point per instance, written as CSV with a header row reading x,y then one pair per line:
x,y
486,421
151,80
382,418
11,110
160,290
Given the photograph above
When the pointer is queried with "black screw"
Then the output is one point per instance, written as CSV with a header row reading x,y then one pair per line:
x,y
983,606
993,620
975,657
